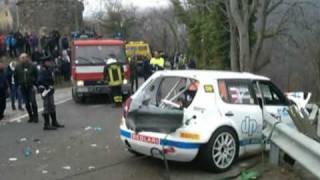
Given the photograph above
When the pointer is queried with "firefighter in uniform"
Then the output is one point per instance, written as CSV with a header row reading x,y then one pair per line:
x,y
46,89
113,75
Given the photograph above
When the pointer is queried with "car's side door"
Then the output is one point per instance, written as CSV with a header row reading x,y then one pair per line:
x,y
241,106
274,100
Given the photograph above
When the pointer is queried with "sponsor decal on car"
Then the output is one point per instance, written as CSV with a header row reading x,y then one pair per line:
x,y
208,88
146,139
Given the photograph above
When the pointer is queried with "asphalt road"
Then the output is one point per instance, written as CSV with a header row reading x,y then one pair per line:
x,y
89,148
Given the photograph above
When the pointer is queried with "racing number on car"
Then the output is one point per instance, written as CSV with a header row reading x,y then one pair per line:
x,y
249,126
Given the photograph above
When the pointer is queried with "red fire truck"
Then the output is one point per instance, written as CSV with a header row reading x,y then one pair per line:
x,y
88,61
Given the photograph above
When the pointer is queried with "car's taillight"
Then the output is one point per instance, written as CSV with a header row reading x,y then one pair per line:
x,y
126,71
126,107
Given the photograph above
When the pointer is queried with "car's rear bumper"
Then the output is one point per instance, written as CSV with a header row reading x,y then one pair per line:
x,y
90,90
152,144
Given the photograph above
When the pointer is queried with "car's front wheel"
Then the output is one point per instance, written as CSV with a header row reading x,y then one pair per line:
x,y
78,99
221,151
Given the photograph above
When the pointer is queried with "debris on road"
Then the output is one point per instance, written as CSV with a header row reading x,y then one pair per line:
x,y
36,140
93,145
37,151
87,128
44,172
98,129
23,139
91,167
27,152
66,167
13,159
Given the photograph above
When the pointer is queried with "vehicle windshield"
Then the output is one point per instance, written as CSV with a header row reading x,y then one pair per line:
x,y
98,54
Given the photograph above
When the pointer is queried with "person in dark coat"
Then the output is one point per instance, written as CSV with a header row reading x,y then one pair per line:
x,y
3,90
134,74
192,64
36,56
26,76
46,88
146,69
15,93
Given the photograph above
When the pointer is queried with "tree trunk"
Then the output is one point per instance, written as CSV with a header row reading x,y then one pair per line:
x,y
234,55
244,48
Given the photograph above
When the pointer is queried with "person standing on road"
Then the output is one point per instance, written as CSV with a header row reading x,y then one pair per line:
x,y
46,88
26,76
157,61
146,68
113,74
3,91
133,74
15,93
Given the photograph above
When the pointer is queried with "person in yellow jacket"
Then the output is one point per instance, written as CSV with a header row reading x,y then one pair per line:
x,y
157,61
113,76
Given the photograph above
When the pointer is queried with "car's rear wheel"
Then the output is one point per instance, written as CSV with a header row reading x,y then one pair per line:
x,y
221,151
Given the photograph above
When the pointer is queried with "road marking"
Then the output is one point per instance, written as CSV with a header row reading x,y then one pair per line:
x,y
17,119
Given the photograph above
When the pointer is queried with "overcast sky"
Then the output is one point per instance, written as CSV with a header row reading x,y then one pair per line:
x,y
95,5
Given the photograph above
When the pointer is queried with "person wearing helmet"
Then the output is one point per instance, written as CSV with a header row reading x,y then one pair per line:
x,y
113,76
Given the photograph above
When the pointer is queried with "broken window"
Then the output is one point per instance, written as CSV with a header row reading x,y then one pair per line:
x,y
176,92
162,106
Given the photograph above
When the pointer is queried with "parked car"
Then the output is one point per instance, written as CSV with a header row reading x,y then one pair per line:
x,y
213,115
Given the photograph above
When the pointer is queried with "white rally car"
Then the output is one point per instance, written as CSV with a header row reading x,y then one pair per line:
x,y
216,116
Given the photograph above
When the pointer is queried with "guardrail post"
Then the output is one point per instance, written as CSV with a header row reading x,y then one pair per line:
x,y
274,154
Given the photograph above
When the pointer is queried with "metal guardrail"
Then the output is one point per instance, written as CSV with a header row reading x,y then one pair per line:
x,y
303,149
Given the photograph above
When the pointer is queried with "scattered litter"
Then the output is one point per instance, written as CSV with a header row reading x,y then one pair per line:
x,y
66,167
37,151
98,129
93,145
68,147
107,147
23,139
27,152
13,159
91,167
36,140
44,172
249,175
87,128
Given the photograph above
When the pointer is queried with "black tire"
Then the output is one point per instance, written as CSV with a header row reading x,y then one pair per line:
x,y
206,158
76,98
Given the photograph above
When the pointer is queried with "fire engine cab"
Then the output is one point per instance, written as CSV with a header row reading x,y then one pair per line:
x,y
88,61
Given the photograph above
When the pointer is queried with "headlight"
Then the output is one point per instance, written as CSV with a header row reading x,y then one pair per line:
x,y
80,83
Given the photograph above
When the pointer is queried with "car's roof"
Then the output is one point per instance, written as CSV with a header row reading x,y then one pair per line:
x,y
211,74
95,42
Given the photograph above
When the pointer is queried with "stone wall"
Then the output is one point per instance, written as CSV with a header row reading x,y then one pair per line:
x,y
46,15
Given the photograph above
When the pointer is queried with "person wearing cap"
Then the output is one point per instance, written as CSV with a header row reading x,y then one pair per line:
x,y
46,89
26,75
113,75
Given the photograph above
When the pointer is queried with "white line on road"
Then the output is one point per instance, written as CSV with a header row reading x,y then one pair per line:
x,y
17,119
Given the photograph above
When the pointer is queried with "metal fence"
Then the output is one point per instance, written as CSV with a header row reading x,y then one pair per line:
x,y
304,149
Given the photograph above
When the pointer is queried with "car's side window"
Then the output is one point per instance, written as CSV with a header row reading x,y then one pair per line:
x,y
271,94
236,92
176,92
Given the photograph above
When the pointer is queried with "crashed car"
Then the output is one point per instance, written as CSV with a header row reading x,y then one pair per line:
x,y
214,116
